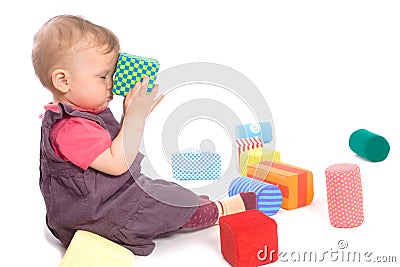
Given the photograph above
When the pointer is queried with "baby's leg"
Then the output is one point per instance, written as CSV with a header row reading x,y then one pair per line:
x,y
209,212
205,215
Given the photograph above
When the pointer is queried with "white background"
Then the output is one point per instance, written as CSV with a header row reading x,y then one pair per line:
x,y
326,69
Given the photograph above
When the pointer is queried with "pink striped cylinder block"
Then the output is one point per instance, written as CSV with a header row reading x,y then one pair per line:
x,y
345,197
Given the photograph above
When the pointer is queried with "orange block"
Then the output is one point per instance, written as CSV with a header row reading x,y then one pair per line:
x,y
295,183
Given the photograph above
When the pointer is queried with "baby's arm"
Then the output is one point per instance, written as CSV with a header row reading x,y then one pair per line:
x,y
137,106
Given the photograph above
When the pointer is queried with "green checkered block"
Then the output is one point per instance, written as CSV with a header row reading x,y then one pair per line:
x,y
131,69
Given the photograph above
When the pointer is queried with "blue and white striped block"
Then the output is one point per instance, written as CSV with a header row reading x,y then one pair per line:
x,y
193,164
269,197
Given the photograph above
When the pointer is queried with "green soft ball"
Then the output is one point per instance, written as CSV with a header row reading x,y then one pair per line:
x,y
369,145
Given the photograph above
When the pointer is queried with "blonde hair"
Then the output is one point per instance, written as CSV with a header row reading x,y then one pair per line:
x,y
63,35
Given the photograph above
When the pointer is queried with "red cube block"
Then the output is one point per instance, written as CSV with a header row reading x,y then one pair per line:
x,y
248,239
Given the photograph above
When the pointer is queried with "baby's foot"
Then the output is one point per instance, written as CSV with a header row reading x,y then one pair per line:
x,y
238,203
249,200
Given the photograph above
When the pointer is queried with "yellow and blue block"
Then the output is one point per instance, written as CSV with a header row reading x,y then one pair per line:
x,y
131,69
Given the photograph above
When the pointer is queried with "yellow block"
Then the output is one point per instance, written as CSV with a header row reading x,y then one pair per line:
x,y
91,250
255,155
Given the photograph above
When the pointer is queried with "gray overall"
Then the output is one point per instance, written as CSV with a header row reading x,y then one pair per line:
x,y
120,208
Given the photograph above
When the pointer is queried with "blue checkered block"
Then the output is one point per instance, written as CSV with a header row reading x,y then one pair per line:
x,y
131,69
196,165
262,130
269,197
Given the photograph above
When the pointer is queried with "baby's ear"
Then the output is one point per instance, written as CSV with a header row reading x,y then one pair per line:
x,y
59,78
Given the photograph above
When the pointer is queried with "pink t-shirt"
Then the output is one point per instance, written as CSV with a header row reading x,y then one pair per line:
x,y
77,139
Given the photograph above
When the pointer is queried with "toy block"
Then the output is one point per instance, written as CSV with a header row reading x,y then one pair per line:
x,y
256,155
345,197
296,184
131,69
91,250
262,130
244,144
248,238
193,164
369,145
269,197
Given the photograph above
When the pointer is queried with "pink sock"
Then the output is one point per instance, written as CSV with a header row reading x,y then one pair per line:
x,y
205,215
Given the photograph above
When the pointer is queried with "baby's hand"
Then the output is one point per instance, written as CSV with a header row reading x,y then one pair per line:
x,y
138,103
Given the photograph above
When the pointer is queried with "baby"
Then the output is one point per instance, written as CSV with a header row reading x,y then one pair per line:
x,y
88,180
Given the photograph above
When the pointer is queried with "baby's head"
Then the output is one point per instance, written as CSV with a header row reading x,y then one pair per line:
x,y
64,38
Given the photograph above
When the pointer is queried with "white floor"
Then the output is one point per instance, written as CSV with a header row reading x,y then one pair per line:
x,y
325,70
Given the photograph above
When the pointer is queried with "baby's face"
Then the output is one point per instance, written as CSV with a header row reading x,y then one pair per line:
x,y
91,79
